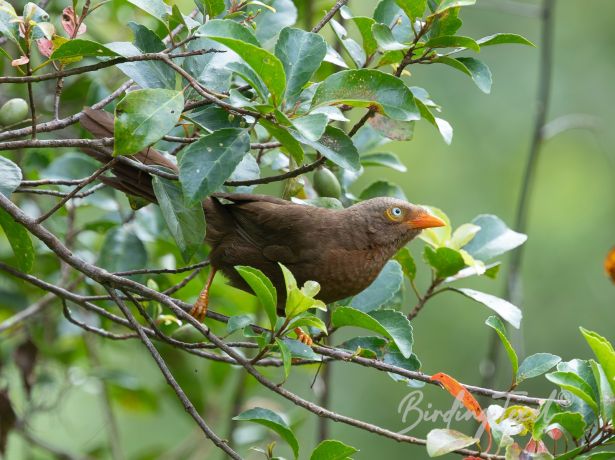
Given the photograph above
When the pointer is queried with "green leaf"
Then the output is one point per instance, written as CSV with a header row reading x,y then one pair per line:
x,y
9,26
369,347
311,126
395,358
352,47
269,23
453,41
10,176
300,300
301,54
307,319
286,356
535,365
382,188
495,323
446,4
365,24
572,422
331,449
388,12
229,29
493,239
263,289
414,9
212,8
502,307
79,47
267,66
122,251
207,163
472,67
390,323
393,129
405,259
597,456
386,93
334,145
382,289
607,400
443,126
238,322
291,144
446,261
499,39
272,421
443,441
20,241
185,221
143,117
576,385
156,8
385,39
603,350
300,350
386,159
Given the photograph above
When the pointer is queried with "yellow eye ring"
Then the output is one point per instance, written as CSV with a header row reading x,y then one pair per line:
x,y
395,214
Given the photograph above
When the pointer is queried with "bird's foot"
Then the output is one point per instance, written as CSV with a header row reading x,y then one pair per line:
x,y
199,309
303,337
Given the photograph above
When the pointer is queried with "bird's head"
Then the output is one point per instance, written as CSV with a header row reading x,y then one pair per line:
x,y
391,221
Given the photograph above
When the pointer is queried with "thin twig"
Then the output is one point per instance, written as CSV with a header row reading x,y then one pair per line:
x,y
327,17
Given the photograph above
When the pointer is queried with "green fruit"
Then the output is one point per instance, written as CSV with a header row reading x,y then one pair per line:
x,y
326,184
13,111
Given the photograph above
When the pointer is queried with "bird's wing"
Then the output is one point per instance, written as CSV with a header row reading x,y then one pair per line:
x,y
275,226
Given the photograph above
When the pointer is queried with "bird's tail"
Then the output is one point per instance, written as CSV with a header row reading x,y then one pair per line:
x,y
127,178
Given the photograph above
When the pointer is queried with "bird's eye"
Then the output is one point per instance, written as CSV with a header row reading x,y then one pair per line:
x,y
394,213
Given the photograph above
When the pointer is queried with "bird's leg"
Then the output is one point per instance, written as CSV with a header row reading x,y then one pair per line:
x,y
303,337
199,310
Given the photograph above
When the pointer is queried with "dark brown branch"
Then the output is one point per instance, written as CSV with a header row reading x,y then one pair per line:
x,y
327,17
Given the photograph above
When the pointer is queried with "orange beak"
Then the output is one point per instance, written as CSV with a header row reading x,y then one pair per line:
x,y
426,220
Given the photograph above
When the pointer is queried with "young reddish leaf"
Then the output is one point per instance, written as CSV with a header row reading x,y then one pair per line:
x,y
70,21
45,47
555,433
462,395
536,447
20,61
609,264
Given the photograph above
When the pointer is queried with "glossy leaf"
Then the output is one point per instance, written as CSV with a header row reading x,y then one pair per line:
x,y
605,392
443,441
311,126
502,307
382,289
292,145
263,289
386,159
286,356
499,327
274,422
229,29
535,365
405,259
446,4
331,449
443,126
20,241
81,48
603,350
354,50
301,54
300,350
300,300
445,261
185,221
10,176
336,146
307,319
156,8
453,41
390,323
212,8
413,8
572,422
385,39
493,239
576,385
500,39
477,70
365,24
386,93
207,163
382,188
238,322
143,117
393,129
8,21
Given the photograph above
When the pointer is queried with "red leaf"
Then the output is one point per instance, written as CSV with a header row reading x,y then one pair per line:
x,y
465,397
70,21
536,447
45,47
555,434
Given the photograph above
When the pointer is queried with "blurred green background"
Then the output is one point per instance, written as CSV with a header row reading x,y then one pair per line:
x,y
571,228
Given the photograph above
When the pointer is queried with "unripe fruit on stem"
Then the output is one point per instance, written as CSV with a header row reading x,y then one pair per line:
x,y
13,111
326,184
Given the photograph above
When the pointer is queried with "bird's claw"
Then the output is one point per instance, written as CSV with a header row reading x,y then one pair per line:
x,y
303,337
199,309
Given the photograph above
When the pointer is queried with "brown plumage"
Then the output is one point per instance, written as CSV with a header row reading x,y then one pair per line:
x,y
344,250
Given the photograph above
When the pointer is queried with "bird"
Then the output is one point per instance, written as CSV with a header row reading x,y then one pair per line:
x,y
343,250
